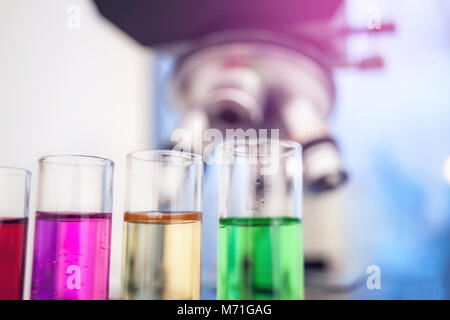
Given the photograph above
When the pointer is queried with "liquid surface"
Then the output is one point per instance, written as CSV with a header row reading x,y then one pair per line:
x,y
71,256
260,258
13,238
162,255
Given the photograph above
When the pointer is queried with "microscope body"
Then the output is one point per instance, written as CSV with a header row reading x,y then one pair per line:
x,y
250,65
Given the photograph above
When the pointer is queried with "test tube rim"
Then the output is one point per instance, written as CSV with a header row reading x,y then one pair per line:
x,y
13,171
190,157
292,148
76,160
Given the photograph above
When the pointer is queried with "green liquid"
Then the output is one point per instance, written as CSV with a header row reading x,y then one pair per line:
x,y
260,258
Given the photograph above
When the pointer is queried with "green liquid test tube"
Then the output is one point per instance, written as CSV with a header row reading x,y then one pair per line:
x,y
260,249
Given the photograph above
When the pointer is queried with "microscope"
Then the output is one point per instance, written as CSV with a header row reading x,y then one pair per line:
x,y
260,64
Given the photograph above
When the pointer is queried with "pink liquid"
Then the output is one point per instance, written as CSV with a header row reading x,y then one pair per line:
x,y
71,256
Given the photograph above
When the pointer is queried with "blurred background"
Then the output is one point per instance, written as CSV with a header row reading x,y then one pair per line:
x,y
363,85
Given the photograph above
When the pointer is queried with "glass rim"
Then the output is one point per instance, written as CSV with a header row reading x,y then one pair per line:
x,y
287,147
150,155
76,160
7,170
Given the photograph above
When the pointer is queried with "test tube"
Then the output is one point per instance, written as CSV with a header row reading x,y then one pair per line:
x,y
73,228
162,226
260,251
14,190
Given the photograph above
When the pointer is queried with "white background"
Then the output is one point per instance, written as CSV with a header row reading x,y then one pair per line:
x,y
63,91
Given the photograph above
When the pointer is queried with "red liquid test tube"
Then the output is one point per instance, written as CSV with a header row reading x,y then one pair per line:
x,y
14,190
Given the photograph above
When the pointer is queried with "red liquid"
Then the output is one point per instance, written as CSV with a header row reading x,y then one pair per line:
x,y
13,237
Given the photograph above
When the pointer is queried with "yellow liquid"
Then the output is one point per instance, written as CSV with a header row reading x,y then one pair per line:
x,y
162,256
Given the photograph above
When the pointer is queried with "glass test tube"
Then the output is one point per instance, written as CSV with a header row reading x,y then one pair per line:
x,y
260,251
14,190
162,228
73,228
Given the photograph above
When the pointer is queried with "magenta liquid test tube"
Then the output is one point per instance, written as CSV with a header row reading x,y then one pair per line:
x,y
73,229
